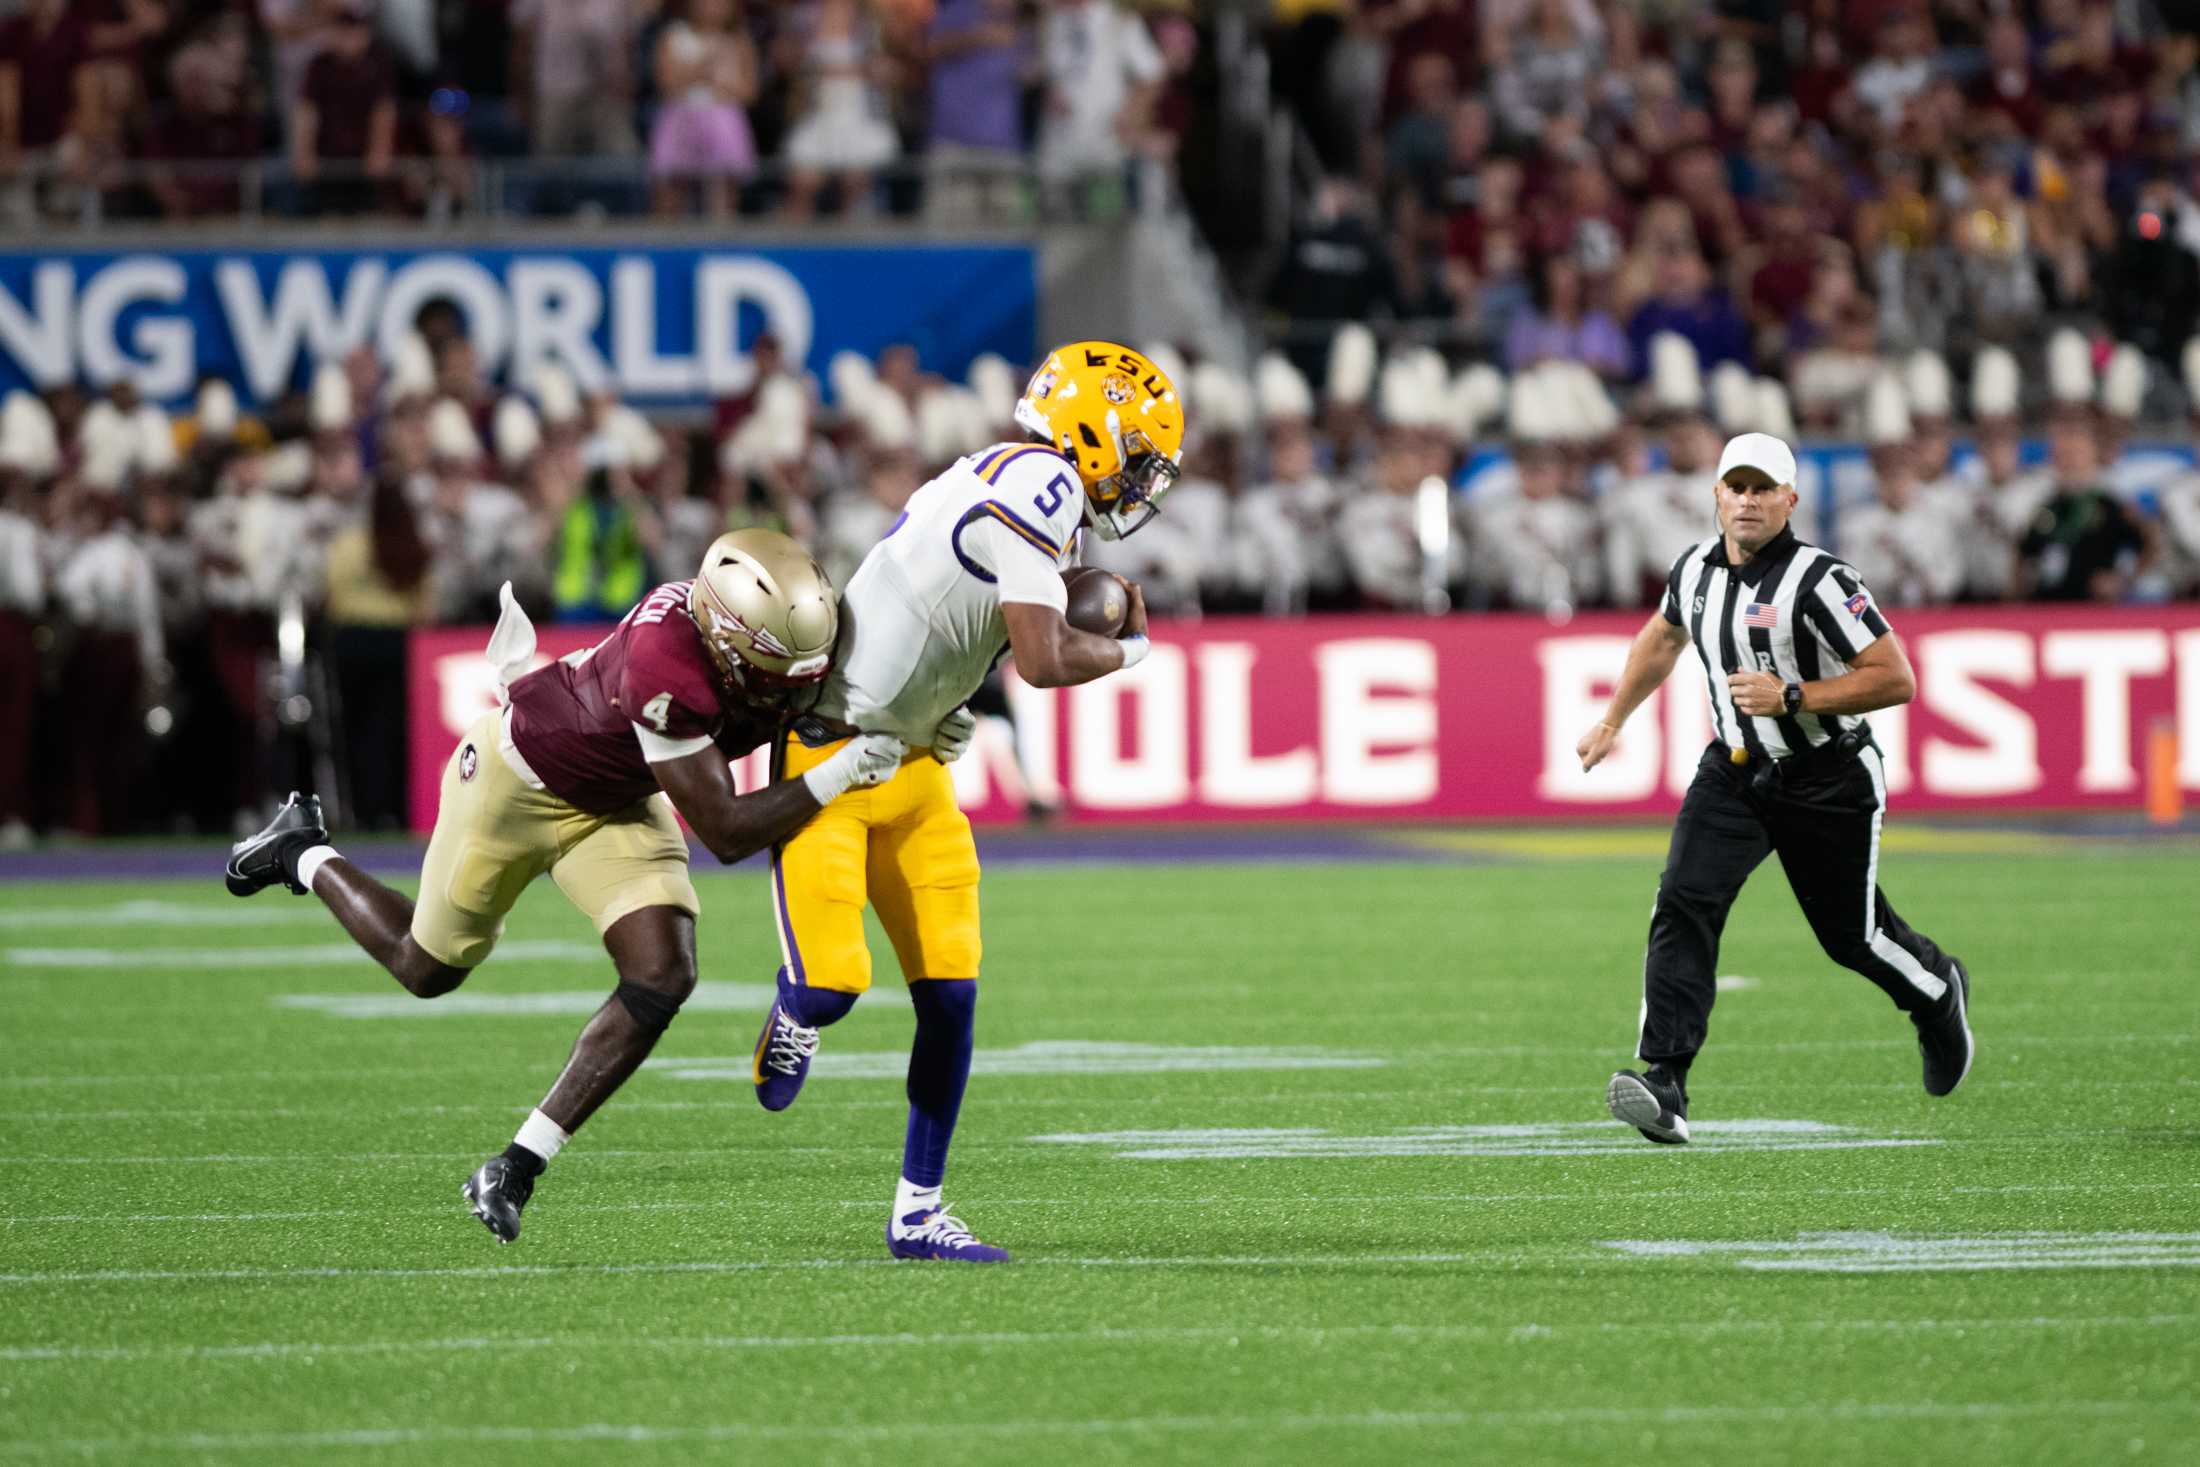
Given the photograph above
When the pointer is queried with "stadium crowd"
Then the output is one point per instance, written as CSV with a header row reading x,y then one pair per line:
x,y
1781,183
161,108
171,586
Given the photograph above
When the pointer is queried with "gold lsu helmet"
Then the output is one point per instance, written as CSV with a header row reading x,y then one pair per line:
x,y
1118,418
768,616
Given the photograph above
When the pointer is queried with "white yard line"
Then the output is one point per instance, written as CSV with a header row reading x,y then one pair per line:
x,y
569,1270
304,955
1415,1056
2005,1141
1707,1192
639,1434
985,1339
1110,1103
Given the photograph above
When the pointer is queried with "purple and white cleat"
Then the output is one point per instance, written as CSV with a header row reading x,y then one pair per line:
x,y
936,1233
782,1060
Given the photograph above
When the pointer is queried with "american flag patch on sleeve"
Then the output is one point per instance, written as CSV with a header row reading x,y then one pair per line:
x,y
1760,614
1857,603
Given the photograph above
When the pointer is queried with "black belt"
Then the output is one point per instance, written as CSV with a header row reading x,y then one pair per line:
x,y
1764,769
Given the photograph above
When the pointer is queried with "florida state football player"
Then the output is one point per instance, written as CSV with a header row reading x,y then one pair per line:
x,y
572,776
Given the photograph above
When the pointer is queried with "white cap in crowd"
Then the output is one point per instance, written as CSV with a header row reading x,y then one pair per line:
x,y
1759,451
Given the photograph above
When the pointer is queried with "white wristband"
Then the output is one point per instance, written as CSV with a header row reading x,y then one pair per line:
x,y
1134,650
830,780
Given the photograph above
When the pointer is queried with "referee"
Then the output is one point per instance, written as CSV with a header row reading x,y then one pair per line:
x,y
1795,653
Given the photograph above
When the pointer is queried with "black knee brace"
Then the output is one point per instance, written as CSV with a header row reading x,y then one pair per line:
x,y
652,1008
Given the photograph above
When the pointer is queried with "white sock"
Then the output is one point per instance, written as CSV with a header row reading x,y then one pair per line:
x,y
311,862
909,1197
541,1135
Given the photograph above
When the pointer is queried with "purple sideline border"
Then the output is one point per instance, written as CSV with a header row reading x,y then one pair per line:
x,y
1008,846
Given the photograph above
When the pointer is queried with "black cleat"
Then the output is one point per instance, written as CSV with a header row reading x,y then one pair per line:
x,y
1652,1104
1944,1036
497,1192
259,861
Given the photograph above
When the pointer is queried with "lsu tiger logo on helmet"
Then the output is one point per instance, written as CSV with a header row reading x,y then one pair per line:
x,y
1118,418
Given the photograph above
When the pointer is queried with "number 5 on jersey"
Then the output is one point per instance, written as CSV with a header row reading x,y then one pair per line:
x,y
1057,492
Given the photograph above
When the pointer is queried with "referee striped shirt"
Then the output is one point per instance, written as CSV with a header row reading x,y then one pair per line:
x,y
1792,610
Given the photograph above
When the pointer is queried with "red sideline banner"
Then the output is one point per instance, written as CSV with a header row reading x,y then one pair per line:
x,y
1476,717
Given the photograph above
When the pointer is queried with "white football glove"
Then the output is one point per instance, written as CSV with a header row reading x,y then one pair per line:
x,y
865,762
951,740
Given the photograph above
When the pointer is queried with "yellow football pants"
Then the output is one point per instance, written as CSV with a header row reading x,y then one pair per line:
x,y
906,848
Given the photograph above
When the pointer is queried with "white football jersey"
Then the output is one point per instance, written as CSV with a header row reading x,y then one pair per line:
x,y
921,617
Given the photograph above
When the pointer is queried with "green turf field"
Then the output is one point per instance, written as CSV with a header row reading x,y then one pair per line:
x,y
1300,1164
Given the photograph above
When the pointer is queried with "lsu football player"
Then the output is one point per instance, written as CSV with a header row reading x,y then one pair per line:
x,y
578,774
971,570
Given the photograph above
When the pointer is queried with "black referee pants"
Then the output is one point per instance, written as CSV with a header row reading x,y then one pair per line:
x,y
1822,816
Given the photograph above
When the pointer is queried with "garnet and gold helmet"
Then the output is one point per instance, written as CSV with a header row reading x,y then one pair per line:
x,y
1118,418
768,616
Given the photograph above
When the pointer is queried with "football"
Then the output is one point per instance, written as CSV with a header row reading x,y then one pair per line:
x,y
1099,601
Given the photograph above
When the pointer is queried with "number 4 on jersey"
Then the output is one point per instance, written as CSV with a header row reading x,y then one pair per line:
x,y
658,711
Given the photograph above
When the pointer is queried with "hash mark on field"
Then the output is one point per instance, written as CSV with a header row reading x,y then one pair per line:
x,y
163,914
708,997
1266,1424
1293,1334
1045,1057
1562,1138
304,955
1889,1253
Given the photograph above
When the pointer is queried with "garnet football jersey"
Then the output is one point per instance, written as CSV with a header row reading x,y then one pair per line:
x,y
578,722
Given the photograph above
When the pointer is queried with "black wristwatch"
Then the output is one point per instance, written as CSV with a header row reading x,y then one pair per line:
x,y
1792,696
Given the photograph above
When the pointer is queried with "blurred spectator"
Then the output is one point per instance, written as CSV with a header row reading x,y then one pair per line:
x,y
1999,279
678,525
1900,68
1335,268
1904,549
1419,147
707,78
1101,73
104,583
22,599
576,76
296,30
842,134
1486,248
1536,549
1583,217
479,529
858,517
45,87
2005,87
343,137
1689,303
2083,544
1563,326
600,568
977,53
2150,293
376,590
1648,519
1378,528
211,119
1780,271
1545,62
1290,522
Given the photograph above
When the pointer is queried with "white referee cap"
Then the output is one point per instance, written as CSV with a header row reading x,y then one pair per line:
x,y
1759,451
